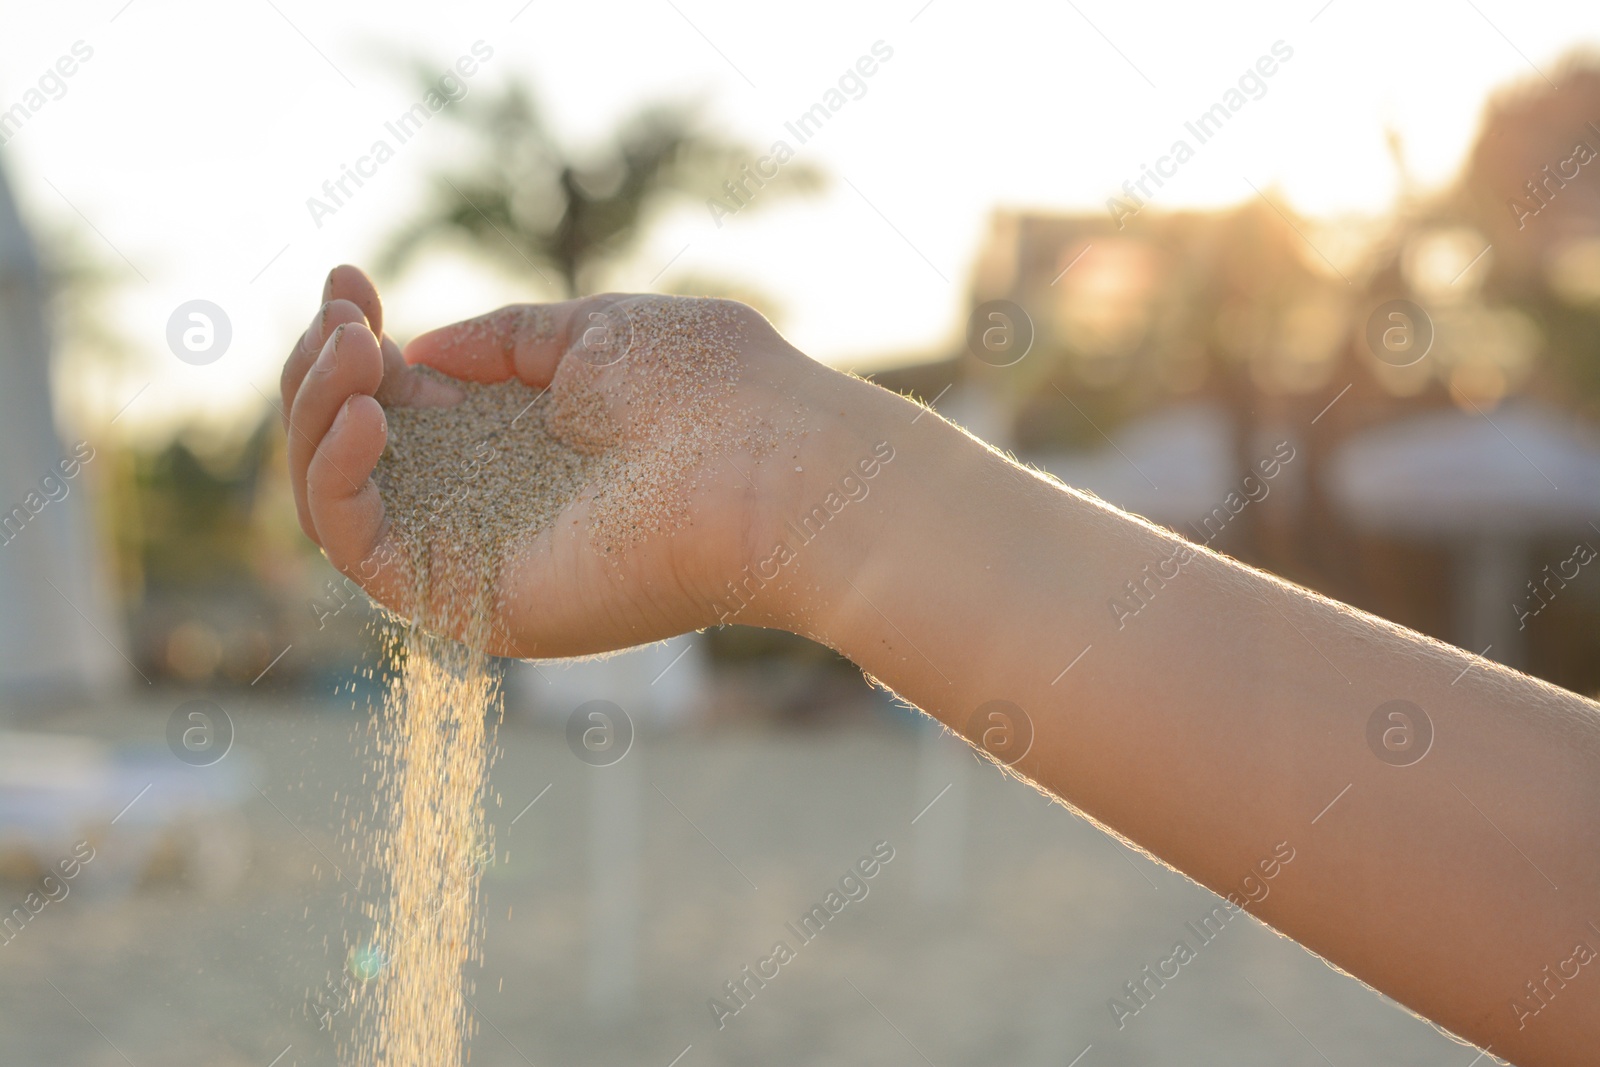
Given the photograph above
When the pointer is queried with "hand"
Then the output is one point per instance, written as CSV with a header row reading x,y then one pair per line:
x,y
560,594
1213,731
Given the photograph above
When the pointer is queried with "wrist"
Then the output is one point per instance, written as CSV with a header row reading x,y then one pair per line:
x,y
895,577
812,499
850,505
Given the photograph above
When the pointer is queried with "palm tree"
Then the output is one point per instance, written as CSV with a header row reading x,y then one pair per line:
x,y
532,203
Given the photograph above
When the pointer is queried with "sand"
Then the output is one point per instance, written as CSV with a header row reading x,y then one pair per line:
x,y
465,489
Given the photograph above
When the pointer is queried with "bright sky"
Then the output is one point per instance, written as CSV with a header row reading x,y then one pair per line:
x,y
193,136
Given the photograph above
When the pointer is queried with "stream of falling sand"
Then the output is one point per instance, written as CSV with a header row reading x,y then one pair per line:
x,y
463,489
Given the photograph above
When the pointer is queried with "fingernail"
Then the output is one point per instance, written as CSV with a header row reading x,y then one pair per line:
x,y
330,351
338,420
314,330
327,287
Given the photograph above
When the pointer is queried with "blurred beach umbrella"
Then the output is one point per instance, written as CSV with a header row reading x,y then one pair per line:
x,y
1487,484
58,625
1174,466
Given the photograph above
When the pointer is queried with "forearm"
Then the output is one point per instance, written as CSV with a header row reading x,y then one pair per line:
x,y
1217,715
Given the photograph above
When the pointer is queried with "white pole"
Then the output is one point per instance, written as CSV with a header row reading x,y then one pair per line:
x,y
944,768
1491,587
615,833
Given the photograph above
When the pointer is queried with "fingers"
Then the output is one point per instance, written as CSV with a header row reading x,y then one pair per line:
x,y
331,387
349,363
328,318
351,283
404,387
523,341
348,295
344,504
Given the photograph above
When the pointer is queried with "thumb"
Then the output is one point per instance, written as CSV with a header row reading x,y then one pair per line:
x,y
524,341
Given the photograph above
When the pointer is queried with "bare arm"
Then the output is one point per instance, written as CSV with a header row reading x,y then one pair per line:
x,y
1223,726
1222,713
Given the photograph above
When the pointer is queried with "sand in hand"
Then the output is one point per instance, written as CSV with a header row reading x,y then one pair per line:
x,y
466,488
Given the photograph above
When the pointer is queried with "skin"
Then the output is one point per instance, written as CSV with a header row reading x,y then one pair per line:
x,y
1226,718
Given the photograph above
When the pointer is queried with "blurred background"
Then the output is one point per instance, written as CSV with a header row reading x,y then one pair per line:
x,y
1148,249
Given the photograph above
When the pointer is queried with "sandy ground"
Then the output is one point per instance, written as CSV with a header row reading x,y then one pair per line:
x,y
621,902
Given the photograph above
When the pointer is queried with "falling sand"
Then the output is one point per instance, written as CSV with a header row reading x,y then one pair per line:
x,y
465,489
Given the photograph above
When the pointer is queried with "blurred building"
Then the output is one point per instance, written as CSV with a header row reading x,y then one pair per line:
x,y
1168,364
